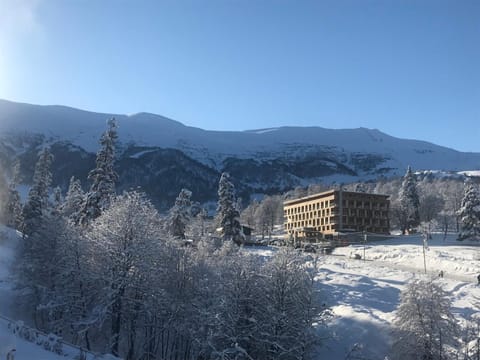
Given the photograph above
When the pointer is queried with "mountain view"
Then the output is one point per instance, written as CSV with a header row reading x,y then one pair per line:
x,y
239,180
162,156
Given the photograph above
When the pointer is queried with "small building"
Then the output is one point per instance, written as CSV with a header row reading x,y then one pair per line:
x,y
246,233
336,211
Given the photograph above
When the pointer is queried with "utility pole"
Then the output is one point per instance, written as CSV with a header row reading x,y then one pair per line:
x,y
478,340
425,239
364,243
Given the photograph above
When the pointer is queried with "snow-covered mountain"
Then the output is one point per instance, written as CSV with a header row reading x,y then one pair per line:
x,y
162,155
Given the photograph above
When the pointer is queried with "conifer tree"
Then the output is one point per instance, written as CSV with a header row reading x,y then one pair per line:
x,y
470,212
73,203
409,203
227,213
103,177
57,198
179,216
37,201
3,198
13,206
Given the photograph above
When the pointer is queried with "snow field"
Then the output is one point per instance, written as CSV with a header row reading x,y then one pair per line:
x,y
363,295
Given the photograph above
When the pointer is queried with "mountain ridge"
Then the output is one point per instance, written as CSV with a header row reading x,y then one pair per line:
x,y
146,116
265,160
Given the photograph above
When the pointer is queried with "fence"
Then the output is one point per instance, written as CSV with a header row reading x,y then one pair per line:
x,y
51,342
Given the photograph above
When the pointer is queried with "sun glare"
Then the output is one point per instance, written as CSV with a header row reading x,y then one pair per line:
x,y
3,73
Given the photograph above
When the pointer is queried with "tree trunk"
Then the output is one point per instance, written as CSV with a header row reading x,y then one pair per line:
x,y
116,324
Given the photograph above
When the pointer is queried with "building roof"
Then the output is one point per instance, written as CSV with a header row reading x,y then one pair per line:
x,y
328,193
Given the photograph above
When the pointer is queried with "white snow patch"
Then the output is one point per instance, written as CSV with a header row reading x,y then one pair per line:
x,y
141,153
263,131
470,173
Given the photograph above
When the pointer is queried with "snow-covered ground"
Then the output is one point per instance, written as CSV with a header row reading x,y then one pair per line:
x,y
362,294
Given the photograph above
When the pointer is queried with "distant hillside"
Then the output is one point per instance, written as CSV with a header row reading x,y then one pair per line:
x,y
162,155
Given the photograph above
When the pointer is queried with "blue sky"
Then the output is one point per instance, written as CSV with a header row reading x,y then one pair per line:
x,y
410,68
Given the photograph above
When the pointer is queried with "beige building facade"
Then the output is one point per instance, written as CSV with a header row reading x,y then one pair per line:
x,y
337,211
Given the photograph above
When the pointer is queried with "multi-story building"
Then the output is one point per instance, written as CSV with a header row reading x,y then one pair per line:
x,y
336,211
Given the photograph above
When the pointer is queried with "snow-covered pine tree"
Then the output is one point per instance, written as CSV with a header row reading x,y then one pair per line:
x,y
3,198
37,200
13,208
73,202
409,203
424,326
470,212
103,177
57,198
179,216
227,214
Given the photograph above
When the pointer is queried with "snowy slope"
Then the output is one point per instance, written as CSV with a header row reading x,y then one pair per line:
x,y
364,295
24,349
83,128
8,242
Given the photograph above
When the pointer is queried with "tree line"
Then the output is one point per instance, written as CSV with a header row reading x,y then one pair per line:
x,y
447,204
109,273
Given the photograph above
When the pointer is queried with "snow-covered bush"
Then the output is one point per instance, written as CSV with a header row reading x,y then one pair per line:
x,y
53,343
424,326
